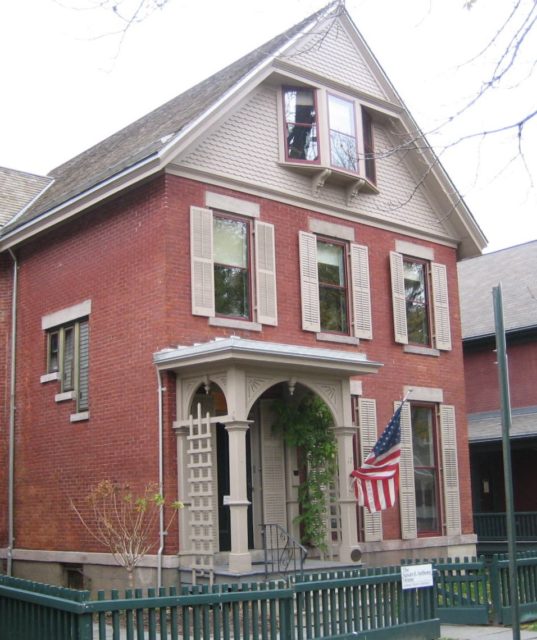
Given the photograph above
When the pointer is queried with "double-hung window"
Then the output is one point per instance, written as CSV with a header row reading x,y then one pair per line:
x,y
420,299
423,421
429,470
233,266
335,290
68,357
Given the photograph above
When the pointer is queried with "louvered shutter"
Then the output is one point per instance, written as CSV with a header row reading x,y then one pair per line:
x,y
398,297
448,434
265,261
361,294
407,492
440,306
83,366
309,282
272,470
367,411
202,269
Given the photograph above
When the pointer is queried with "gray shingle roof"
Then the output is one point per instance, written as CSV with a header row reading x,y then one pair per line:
x,y
487,427
148,135
516,269
17,189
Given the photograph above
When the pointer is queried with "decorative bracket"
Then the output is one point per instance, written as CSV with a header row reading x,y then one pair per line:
x,y
354,189
318,180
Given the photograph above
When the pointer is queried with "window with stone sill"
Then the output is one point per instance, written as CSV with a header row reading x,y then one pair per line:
x,y
233,269
68,357
335,287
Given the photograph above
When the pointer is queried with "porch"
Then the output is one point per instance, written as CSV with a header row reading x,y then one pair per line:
x,y
235,472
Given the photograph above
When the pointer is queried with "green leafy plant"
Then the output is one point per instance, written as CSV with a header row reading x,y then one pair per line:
x,y
306,424
123,522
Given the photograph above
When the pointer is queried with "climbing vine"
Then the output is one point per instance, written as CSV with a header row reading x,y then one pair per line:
x,y
305,423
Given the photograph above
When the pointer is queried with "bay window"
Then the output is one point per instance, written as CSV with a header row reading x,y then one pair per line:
x,y
335,140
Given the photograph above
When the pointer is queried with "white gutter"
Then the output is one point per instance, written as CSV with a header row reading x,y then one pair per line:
x,y
11,450
162,533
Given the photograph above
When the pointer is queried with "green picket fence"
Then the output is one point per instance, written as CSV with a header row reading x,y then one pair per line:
x,y
359,604
526,583
462,590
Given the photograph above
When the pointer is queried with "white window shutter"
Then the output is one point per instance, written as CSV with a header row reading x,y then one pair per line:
x,y
407,491
202,265
448,434
440,306
265,262
367,412
309,282
272,469
361,291
83,366
398,298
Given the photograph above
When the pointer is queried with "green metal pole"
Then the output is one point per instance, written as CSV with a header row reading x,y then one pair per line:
x,y
503,377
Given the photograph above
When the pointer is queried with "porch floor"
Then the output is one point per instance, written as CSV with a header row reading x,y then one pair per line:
x,y
222,574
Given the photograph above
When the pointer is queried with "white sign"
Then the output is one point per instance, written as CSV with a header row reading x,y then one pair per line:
x,y
416,576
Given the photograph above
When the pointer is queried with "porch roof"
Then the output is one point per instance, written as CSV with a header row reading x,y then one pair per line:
x,y
236,350
487,426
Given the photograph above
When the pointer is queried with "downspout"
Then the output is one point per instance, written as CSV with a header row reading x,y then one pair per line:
x,y
11,449
160,390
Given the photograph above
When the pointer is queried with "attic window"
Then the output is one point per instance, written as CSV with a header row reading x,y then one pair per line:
x,y
300,124
329,137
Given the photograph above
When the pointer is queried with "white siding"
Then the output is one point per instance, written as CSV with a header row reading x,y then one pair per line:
x,y
350,68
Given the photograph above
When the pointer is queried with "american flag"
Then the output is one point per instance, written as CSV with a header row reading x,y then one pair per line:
x,y
376,482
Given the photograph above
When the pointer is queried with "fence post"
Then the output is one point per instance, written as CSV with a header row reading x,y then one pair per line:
x,y
84,626
287,627
495,590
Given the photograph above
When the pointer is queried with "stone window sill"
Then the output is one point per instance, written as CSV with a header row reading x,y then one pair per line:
x,y
423,351
231,323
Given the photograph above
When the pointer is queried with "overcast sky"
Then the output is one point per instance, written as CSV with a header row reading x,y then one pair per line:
x,y
66,84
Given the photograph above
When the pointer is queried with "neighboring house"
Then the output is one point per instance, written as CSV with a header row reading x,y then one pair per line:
x,y
516,269
272,231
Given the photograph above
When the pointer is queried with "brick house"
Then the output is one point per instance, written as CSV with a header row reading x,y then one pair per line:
x,y
278,230
516,269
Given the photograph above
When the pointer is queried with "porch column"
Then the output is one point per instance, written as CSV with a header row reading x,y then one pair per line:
x,y
347,501
239,558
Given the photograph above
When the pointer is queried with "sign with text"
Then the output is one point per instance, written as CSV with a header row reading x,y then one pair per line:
x,y
416,576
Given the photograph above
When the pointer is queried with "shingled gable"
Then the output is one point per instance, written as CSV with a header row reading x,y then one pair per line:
x,y
145,138
148,144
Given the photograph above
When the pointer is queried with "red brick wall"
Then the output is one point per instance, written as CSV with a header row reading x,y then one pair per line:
x,y
6,280
131,258
481,374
